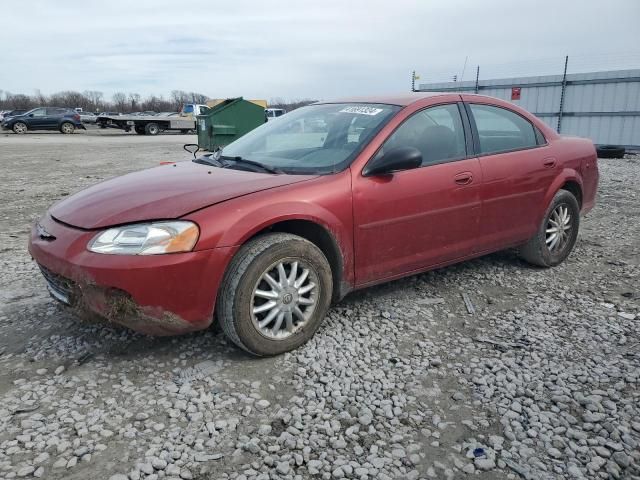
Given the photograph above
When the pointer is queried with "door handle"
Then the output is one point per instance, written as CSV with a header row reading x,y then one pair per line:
x,y
549,162
464,178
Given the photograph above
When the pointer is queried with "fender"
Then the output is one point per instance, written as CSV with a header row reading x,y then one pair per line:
x,y
566,175
234,222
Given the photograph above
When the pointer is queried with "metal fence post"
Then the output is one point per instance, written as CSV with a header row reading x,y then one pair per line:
x,y
564,87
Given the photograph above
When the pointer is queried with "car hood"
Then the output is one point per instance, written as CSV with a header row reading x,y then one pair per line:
x,y
164,192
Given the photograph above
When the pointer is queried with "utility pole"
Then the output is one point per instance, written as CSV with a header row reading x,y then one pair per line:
x,y
564,87
413,81
477,77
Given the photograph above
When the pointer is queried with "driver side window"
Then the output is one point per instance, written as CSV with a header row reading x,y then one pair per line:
x,y
436,131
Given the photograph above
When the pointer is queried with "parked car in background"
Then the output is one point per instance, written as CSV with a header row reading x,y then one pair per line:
x,y
268,231
65,120
271,113
11,113
88,117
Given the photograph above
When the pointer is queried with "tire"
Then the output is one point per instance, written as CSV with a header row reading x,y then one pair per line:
x,y
246,273
67,128
151,129
610,151
19,128
538,251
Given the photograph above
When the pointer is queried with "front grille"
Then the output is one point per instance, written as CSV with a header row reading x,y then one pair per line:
x,y
61,288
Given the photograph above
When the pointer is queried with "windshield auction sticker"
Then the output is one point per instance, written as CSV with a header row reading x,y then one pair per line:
x,y
361,110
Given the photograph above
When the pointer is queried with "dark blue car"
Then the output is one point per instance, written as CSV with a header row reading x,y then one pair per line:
x,y
45,118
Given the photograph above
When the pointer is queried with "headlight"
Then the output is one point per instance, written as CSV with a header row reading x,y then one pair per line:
x,y
146,239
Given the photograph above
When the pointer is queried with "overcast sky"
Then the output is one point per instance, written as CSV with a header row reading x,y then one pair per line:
x,y
300,49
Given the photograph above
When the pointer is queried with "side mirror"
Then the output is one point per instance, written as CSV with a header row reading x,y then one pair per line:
x,y
396,159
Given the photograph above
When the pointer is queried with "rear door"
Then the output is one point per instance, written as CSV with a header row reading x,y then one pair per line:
x,y
422,217
517,169
54,117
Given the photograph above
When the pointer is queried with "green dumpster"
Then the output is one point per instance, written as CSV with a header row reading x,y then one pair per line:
x,y
228,121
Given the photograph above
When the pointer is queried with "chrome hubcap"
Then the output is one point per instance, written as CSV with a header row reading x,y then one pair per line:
x,y
558,230
19,128
66,128
284,298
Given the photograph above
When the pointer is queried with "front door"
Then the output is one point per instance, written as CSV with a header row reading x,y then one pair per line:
x,y
37,118
423,217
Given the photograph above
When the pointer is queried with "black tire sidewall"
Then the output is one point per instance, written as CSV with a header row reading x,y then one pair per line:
x,y
549,258
150,127
238,293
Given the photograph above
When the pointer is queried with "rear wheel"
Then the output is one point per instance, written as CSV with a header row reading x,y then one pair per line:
x,y
151,129
557,233
275,294
67,128
19,127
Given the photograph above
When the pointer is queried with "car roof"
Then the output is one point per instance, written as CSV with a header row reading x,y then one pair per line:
x,y
401,99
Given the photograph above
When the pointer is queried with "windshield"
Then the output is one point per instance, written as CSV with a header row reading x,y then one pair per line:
x,y
321,138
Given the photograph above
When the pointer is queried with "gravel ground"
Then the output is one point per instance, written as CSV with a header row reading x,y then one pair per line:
x,y
401,382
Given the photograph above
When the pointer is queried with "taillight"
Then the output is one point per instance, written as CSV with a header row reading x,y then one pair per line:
x,y
76,117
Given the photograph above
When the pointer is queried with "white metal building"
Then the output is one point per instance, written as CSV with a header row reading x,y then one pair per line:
x,y
603,106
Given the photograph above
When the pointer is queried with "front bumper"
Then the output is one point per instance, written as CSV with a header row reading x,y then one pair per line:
x,y
154,294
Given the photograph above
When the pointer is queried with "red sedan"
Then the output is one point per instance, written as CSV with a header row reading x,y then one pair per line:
x,y
326,199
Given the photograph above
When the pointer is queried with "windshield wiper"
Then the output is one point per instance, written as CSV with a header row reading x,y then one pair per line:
x,y
253,163
209,160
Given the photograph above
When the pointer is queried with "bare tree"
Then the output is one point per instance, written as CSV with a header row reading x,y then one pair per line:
x,y
95,99
198,98
179,98
289,105
134,99
119,101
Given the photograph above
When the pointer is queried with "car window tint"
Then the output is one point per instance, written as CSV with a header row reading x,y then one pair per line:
x,y
437,132
501,130
39,112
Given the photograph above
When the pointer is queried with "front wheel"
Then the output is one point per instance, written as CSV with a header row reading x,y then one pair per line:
x,y
557,233
19,127
275,294
67,128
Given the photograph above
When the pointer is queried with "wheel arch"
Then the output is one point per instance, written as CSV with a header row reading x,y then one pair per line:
x,y
321,237
568,179
575,188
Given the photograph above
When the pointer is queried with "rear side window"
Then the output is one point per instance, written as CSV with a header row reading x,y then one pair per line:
x,y
437,132
501,130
